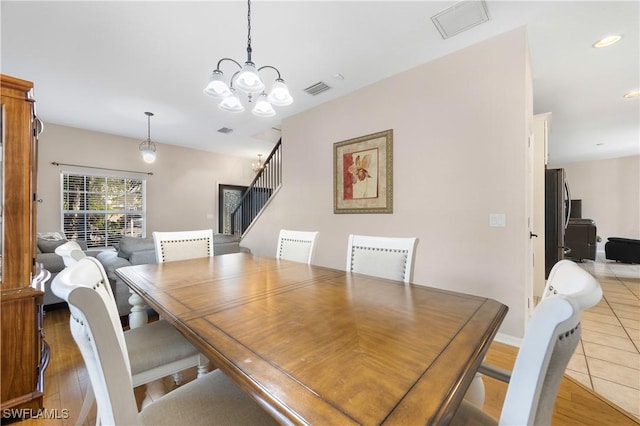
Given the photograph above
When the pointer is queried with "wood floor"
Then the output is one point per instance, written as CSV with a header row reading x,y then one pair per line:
x,y
66,381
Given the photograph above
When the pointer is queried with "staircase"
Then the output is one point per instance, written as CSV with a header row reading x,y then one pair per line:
x,y
264,186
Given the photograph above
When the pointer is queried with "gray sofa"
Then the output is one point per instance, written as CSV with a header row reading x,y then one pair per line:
x,y
129,251
132,251
45,255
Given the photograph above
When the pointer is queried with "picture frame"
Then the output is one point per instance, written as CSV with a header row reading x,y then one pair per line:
x,y
363,174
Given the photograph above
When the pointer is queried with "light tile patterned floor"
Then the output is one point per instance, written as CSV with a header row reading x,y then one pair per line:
x,y
608,358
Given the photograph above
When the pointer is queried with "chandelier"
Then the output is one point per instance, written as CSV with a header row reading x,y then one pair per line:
x,y
148,148
257,167
247,80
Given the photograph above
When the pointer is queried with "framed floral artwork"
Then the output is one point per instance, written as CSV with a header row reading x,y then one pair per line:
x,y
363,174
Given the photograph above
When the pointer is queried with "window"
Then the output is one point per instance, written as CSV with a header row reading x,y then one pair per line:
x,y
101,209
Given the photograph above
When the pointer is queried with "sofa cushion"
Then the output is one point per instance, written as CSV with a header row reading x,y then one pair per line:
x,y
143,257
82,244
49,246
128,245
51,262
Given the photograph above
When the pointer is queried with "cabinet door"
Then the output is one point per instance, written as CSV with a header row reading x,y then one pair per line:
x,y
18,257
22,358
21,349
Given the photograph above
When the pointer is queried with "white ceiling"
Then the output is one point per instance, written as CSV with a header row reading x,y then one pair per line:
x,y
100,65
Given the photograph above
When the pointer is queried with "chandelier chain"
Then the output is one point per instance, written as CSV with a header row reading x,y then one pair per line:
x,y
249,30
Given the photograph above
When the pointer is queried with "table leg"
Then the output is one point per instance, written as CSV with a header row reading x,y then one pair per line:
x,y
138,315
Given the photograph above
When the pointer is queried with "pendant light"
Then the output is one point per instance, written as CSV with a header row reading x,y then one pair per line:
x,y
148,148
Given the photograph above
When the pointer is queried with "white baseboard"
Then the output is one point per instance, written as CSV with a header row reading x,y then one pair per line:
x,y
508,340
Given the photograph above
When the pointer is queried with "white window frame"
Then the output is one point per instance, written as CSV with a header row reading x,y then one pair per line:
x,y
108,238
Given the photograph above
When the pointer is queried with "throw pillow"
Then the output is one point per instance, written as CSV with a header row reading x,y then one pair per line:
x,y
52,236
49,246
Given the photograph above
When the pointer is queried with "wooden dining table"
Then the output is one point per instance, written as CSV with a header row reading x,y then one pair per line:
x,y
321,346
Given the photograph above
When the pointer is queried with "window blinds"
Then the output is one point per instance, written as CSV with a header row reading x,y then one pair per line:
x,y
101,209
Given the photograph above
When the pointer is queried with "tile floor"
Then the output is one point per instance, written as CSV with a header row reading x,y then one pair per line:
x,y
608,358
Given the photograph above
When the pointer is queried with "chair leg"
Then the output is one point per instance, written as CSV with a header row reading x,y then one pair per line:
x,y
177,378
475,393
203,368
89,398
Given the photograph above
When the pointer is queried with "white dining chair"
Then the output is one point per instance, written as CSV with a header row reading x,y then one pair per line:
x,y
298,246
549,342
562,280
183,245
154,351
383,257
95,326
70,252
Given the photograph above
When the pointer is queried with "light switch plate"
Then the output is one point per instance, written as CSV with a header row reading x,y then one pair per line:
x,y
497,220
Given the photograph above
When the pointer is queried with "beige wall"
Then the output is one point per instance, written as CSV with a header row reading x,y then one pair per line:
x,y
182,193
460,127
610,194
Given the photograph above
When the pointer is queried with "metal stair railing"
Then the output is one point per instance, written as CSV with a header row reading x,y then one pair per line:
x,y
257,195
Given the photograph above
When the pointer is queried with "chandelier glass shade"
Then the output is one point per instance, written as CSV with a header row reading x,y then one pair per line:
x,y
231,103
257,167
148,148
263,108
247,80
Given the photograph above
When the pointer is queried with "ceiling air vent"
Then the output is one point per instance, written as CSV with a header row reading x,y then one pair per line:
x,y
225,130
460,17
317,88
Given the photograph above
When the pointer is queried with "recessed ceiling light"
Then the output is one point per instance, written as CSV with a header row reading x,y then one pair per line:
x,y
633,94
600,144
607,41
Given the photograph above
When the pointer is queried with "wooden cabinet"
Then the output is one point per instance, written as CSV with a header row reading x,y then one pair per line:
x,y
23,352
